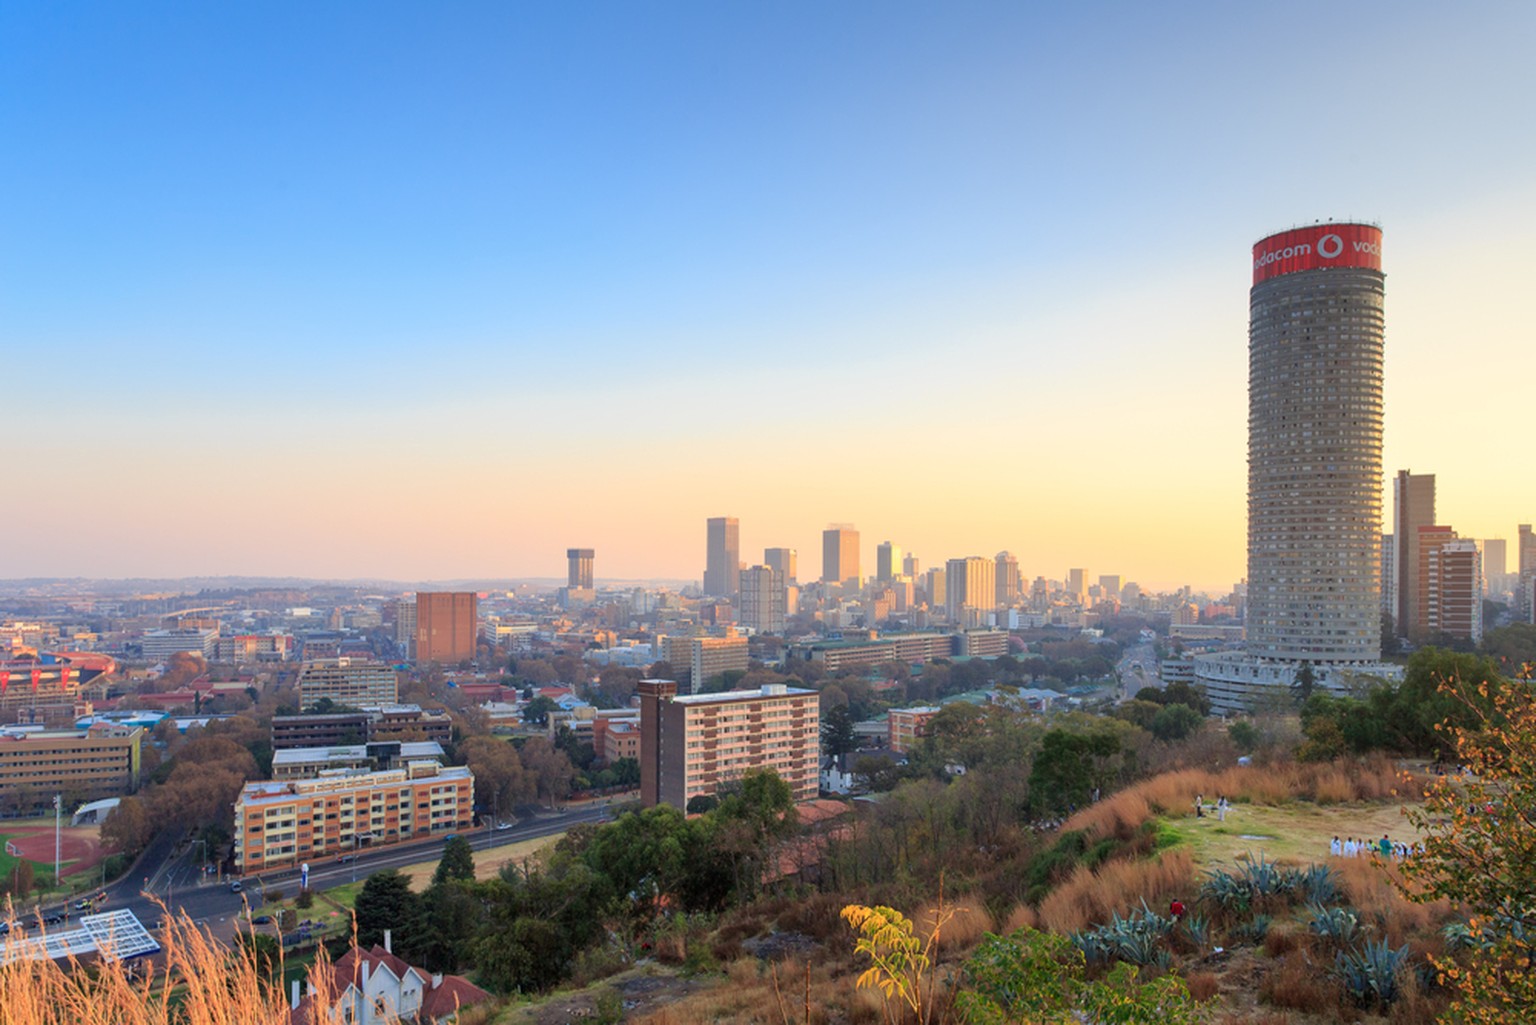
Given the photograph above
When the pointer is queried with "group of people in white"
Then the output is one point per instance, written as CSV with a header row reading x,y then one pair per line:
x,y
1222,804
1386,847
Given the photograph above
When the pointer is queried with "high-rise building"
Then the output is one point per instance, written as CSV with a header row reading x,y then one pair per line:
x,y
840,555
887,562
1077,584
1455,599
910,567
1315,359
722,556
785,561
1008,581
1389,576
698,744
1110,585
970,590
1431,538
446,625
404,610
1413,506
763,600
1495,564
937,589
579,568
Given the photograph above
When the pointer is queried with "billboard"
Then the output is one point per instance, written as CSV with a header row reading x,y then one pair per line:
x,y
1320,246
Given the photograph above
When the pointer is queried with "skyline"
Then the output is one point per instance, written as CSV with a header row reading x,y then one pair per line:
x,y
428,296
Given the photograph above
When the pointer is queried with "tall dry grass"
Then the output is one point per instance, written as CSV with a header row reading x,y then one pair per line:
x,y
1375,889
1091,896
1173,793
194,981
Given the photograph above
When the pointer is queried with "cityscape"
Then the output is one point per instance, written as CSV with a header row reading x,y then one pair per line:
x,y
508,543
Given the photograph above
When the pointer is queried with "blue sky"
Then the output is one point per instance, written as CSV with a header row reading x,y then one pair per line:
x,y
361,271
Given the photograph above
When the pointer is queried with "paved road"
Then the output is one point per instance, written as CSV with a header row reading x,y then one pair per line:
x,y
179,883
1137,669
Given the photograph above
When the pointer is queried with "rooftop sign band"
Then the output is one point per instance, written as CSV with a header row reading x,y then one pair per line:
x,y
1320,246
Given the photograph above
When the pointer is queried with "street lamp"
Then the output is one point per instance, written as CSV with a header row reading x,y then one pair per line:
x,y
203,873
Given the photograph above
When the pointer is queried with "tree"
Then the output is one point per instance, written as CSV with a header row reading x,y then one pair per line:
x,y
458,862
1304,684
386,901
498,770
552,772
128,828
536,712
837,736
1480,835
1175,722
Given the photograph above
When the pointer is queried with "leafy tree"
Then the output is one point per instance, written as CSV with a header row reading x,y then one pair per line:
x,y
1480,847
837,736
698,804
626,772
1245,735
1175,722
128,828
386,901
451,917
458,862
1067,769
498,770
878,771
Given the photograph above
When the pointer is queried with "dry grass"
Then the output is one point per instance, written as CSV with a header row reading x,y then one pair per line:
x,y
1202,985
197,982
961,925
1297,983
1373,888
770,996
1021,917
1092,895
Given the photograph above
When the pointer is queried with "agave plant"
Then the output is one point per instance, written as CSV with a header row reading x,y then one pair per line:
x,y
1092,944
1227,891
1267,879
1198,929
1340,925
1255,929
1371,972
1319,884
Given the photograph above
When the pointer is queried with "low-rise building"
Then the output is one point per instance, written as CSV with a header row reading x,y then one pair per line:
x,y
310,762
907,726
281,823
352,682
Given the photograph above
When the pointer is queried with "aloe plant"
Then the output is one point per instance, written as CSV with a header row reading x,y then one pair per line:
x,y
1340,925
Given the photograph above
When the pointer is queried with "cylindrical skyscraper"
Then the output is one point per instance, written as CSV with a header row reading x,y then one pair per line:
x,y
1314,445
1314,465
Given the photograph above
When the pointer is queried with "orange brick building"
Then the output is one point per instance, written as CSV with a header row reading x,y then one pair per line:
x,y
446,625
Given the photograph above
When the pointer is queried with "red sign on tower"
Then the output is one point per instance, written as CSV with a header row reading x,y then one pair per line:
x,y
1318,247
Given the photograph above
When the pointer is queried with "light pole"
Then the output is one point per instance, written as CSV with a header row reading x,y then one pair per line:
x,y
202,874
58,811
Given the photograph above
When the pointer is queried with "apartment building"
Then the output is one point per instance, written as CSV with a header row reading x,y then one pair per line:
x,y
282,823
311,762
907,726
100,761
692,744
386,722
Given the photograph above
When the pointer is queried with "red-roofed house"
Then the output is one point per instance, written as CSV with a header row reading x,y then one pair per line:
x,y
374,987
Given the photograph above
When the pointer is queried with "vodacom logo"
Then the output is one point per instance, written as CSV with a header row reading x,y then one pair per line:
x,y
1330,246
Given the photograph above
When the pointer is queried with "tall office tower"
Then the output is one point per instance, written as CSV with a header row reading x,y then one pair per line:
x,y
1525,555
1110,585
763,600
1039,594
722,555
887,562
970,590
1413,506
1455,599
579,567
1008,581
1077,583
1495,562
840,555
446,625
1314,467
785,561
405,625
910,567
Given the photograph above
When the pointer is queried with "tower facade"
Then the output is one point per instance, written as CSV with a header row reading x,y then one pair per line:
x,y
785,561
579,567
722,556
1413,506
447,624
887,562
1315,359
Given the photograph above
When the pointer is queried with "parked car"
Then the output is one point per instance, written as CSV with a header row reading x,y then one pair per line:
x,y
346,858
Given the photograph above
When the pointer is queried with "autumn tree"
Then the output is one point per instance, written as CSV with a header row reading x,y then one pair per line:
x,y
128,828
498,770
1479,847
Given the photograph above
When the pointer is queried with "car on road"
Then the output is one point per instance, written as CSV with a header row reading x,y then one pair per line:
x,y
84,905
345,858
503,825
235,886
262,920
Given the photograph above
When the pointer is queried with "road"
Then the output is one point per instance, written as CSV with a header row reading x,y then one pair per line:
x,y
1137,669
180,884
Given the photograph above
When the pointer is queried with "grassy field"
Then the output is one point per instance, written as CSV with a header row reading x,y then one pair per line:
x,y
1297,831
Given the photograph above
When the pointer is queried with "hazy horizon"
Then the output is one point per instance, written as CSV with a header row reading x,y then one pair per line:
x,y
436,293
